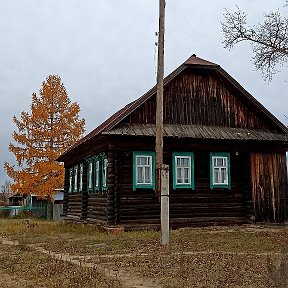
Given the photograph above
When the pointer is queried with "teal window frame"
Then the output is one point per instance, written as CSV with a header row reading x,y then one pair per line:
x,y
104,170
90,176
97,174
176,185
81,170
220,155
151,156
70,189
75,177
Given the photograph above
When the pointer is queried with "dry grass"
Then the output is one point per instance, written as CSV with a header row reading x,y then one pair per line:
x,y
199,257
23,267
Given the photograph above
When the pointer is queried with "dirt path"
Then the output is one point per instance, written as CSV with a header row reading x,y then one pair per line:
x,y
127,280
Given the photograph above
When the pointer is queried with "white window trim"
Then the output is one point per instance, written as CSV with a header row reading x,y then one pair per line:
x,y
147,185
182,169
75,179
97,174
214,167
104,178
70,180
143,168
90,171
81,178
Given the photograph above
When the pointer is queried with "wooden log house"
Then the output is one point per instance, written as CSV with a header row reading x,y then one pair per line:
x,y
226,152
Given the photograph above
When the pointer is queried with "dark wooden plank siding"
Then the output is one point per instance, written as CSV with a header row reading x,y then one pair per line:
x,y
200,100
269,187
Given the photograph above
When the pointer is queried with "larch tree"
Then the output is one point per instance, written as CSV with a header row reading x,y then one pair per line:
x,y
269,40
51,127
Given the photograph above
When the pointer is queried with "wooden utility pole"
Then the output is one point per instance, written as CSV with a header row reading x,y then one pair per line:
x,y
161,170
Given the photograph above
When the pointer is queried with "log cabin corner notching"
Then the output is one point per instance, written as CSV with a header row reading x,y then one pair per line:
x,y
226,152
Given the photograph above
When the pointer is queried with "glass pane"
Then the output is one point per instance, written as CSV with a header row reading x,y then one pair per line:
x,y
216,175
97,178
179,176
186,162
90,179
186,175
140,175
75,179
223,175
70,181
142,160
219,162
147,175
183,161
139,160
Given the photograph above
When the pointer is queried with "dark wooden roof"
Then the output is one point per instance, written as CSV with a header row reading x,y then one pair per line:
x,y
196,132
193,62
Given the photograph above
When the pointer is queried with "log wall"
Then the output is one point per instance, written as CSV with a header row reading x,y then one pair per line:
x,y
101,204
269,187
97,204
74,206
201,206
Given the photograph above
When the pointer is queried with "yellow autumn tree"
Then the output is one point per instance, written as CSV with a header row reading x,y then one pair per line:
x,y
52,126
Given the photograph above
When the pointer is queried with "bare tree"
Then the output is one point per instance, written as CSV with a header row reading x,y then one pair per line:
x,y
4,201
6,188
269,40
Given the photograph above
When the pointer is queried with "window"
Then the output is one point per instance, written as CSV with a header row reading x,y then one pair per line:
x,y
81,177
70,179
219,170
104,171
75,179
183,170
90,176
143,170
97,174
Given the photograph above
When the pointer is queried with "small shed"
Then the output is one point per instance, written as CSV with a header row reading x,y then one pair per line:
x,y
226,152
37,207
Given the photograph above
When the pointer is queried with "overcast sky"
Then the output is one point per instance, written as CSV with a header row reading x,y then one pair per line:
x,y
105,53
